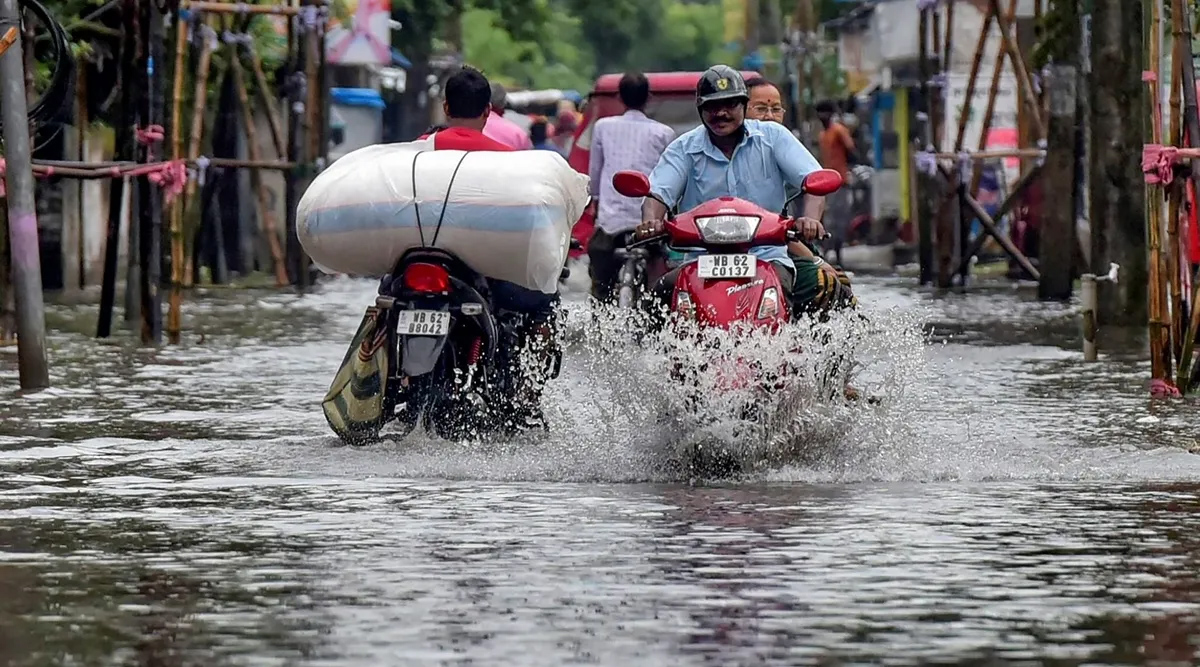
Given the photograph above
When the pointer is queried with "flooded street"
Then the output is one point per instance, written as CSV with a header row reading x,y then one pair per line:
x,y
189,506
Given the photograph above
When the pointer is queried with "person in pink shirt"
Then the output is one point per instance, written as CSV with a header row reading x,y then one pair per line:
x,y
502,129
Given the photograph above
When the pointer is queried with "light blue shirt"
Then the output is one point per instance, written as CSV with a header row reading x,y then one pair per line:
x,y
692,171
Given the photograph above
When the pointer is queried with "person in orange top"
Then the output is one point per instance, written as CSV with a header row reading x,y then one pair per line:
x,y
837,152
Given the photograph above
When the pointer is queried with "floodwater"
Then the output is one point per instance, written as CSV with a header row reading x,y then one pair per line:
x,y
1005,504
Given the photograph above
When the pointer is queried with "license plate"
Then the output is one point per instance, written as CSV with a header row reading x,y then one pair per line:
x,y
727,266
423,323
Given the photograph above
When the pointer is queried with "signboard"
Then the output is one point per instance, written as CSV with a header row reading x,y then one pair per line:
x,y
364,38
1003,131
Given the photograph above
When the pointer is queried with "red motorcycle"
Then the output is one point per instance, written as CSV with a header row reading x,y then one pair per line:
x,y
729,288
727,284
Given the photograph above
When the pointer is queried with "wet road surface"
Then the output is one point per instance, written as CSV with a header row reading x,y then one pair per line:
x,y
188,506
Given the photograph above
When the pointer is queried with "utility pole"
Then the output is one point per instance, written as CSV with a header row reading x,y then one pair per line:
x,y
22,214
1058,237
1117,187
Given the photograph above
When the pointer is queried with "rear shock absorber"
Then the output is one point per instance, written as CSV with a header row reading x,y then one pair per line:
x,y
476,350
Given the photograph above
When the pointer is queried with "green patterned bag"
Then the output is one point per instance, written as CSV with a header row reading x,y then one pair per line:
x,y
357,404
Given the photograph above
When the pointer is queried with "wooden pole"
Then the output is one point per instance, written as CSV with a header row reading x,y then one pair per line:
x,y
33,368
265,214
976,64
1016,192
1175,191
926,194
264,94
1023,79
123,150
239,8
199,105
990,111
175,299
151,195
1191,117
1159,352
990,225
295,147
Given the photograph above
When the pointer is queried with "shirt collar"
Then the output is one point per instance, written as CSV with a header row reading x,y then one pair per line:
x,y
703,144
634,113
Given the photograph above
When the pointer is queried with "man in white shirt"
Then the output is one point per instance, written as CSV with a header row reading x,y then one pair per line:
x,y
629,141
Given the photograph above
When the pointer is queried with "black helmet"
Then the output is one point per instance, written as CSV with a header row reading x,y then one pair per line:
x,y
721,82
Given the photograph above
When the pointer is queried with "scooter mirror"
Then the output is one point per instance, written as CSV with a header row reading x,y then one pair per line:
x,y
822,182
632,183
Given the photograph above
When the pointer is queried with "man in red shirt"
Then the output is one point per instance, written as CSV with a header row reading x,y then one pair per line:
x,y
467,104
464,119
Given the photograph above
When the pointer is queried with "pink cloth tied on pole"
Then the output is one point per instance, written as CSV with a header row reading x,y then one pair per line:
x,y
1158,163
149,135
171,177
1163,389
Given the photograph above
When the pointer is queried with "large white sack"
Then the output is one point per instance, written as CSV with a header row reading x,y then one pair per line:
x,y
509,214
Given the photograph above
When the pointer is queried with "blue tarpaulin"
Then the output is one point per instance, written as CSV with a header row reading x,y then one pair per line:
x,y
356,97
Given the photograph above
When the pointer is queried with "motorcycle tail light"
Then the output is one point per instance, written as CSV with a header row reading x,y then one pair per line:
x,y
768,307
427,278
728,228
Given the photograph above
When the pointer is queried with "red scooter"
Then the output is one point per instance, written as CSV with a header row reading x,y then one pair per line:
x,y
727,284
728,288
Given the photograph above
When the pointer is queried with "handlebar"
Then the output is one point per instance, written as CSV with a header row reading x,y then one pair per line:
x,y
646,241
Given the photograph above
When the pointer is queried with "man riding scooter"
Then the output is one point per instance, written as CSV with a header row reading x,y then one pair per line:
x,y
729,155
468,95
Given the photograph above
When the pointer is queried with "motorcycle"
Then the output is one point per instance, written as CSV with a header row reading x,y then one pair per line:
x,y
726,285
458,363
727,288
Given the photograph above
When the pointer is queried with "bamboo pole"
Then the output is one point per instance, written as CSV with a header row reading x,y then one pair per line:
x,y
1159,364
1023,79
990,111
948,45
260,81
976,64
313,133
183,273
175,299
239,8
1176,191
265,214
1192,122
983,155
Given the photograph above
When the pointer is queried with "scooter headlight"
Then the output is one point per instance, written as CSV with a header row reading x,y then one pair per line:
x,y
728,228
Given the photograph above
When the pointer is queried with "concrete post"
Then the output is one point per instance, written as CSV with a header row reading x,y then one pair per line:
x,y
22,217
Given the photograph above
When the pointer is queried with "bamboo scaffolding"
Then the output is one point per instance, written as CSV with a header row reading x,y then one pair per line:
x,y
1159,325
111,169
1175,192
175,298
265,214
240,8
260,81
990,110
1023,78
976,64
183,272
984,155
1187,380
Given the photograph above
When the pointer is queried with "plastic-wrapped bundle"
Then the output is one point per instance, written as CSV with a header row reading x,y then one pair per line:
x,y
507,215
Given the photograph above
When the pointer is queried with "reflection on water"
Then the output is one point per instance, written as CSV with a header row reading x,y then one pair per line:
x,y
187,506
